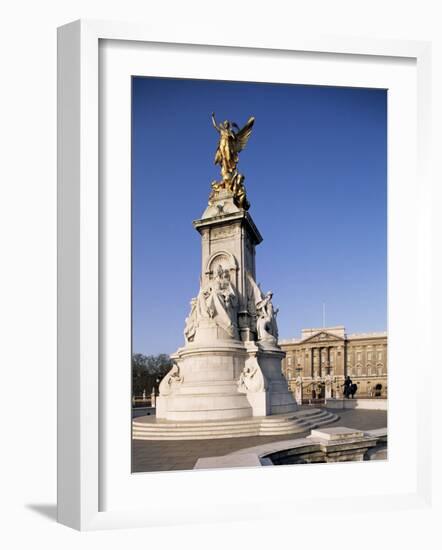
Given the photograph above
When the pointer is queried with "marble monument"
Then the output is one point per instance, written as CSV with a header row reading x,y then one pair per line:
x,y
230,365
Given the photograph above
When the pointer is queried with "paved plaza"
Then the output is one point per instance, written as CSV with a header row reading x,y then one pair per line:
x,y
154,456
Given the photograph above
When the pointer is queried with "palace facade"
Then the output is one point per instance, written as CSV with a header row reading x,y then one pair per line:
x,y
317,363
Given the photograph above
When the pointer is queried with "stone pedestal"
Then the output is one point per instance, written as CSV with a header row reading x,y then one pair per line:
x,y
204,385
328,386
230,366
224,380
228,238
298,390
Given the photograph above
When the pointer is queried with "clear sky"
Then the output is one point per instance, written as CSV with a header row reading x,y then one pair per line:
x,y
316,178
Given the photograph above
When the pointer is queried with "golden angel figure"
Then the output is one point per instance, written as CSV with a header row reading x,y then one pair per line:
x,y
232,140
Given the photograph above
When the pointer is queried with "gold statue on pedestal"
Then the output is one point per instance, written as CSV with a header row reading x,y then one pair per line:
x,y
232,140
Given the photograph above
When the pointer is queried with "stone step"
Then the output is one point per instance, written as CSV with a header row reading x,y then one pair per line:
x,y
253,422
284,425
267,420
264,421
220,435
274,419
297,428
193,436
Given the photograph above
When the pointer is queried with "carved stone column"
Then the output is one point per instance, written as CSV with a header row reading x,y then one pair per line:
x,y
230,240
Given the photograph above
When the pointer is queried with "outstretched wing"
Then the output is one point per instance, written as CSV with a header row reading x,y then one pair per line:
x,y
242,137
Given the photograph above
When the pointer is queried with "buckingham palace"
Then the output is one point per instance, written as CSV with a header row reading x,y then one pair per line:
x,y
317,363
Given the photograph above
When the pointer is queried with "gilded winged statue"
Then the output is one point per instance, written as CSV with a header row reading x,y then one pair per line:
x,y
232,140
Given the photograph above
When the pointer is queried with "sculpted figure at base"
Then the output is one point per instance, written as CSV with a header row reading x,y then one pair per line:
x,y
239,191
191,322
251,378
172,378
216,301
266,326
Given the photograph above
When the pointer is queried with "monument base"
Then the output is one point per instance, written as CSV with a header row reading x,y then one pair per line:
x,y
225,380
229,371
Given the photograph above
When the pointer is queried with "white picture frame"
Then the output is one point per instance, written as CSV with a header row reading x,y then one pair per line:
x,y
80,316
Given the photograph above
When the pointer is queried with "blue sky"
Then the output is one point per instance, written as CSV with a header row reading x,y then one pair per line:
x,y
316,178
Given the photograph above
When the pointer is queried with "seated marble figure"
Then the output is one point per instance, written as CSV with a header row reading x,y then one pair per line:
x,y
216,301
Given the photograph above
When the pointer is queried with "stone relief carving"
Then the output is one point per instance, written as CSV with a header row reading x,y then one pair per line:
x,y
219,302
216,301
223,232
172,379
261,307
251,379
224,259
266,323
219,261
191,322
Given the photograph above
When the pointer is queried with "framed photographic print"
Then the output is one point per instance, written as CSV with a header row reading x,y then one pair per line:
x,y
238,226
236,388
